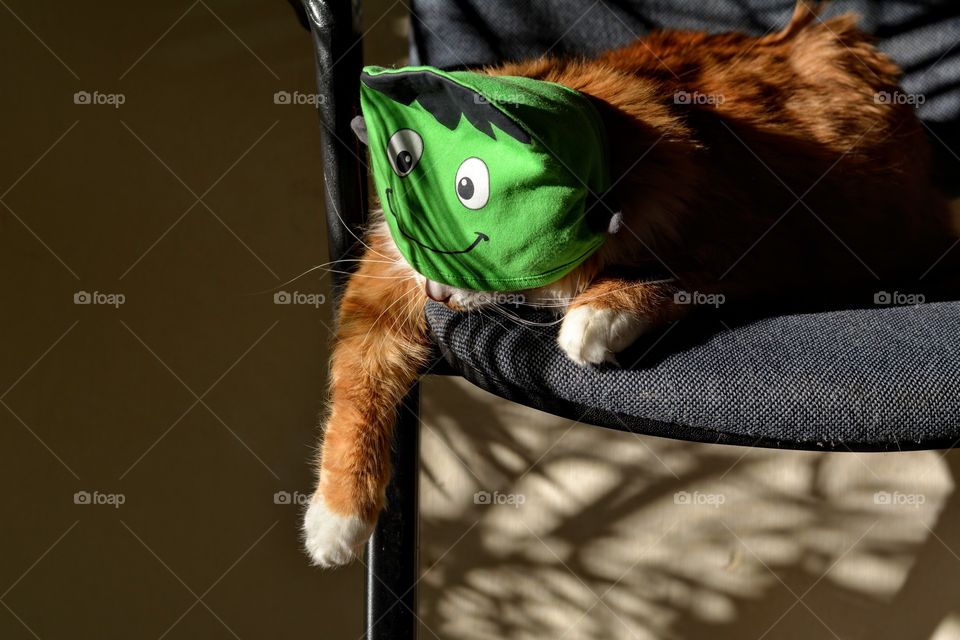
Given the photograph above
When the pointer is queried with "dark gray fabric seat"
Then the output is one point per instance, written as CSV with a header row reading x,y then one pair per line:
x,y
879,379
882,378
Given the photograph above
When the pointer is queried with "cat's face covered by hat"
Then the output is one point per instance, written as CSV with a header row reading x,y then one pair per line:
x,y
484,181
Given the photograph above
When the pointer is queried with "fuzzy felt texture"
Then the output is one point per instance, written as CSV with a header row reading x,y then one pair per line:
x,y
486,182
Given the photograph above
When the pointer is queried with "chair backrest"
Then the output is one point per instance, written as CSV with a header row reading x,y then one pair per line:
x,y
922,37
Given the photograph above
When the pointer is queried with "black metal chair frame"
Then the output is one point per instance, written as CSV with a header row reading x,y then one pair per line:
x,y
391,561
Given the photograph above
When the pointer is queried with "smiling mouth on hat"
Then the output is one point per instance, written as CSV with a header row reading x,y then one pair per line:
x,y
481,237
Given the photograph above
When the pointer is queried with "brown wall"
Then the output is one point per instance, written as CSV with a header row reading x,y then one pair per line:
x,y
105,399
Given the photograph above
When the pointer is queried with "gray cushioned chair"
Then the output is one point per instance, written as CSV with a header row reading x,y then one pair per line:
x,y
859,377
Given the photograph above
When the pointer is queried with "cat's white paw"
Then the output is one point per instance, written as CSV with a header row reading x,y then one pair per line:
x,y
333,540
592,335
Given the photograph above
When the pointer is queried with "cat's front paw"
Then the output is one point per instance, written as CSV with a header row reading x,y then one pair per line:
x,y
593,335
331,539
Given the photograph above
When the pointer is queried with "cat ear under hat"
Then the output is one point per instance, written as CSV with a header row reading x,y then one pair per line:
x,y
603,216
359,127
615,223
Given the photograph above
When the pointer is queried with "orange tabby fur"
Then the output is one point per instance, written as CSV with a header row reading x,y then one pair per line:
x,y
699,185
381,346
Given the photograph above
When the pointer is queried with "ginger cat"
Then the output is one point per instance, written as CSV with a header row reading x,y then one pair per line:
x,y
743,166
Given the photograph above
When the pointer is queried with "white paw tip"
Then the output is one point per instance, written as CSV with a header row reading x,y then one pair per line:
x,y
333,540
591,335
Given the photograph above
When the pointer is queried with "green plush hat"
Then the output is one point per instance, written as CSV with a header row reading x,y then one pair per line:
x,y
485,181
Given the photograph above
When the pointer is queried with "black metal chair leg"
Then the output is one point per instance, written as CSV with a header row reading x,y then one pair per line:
x,y
392,551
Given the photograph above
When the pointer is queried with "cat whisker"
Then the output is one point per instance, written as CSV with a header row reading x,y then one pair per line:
x,y
410,307
523,321
564,302
363,275
350,231
315,268
375,324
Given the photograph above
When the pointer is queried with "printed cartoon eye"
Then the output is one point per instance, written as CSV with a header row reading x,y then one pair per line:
x,y
404,150
473,183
